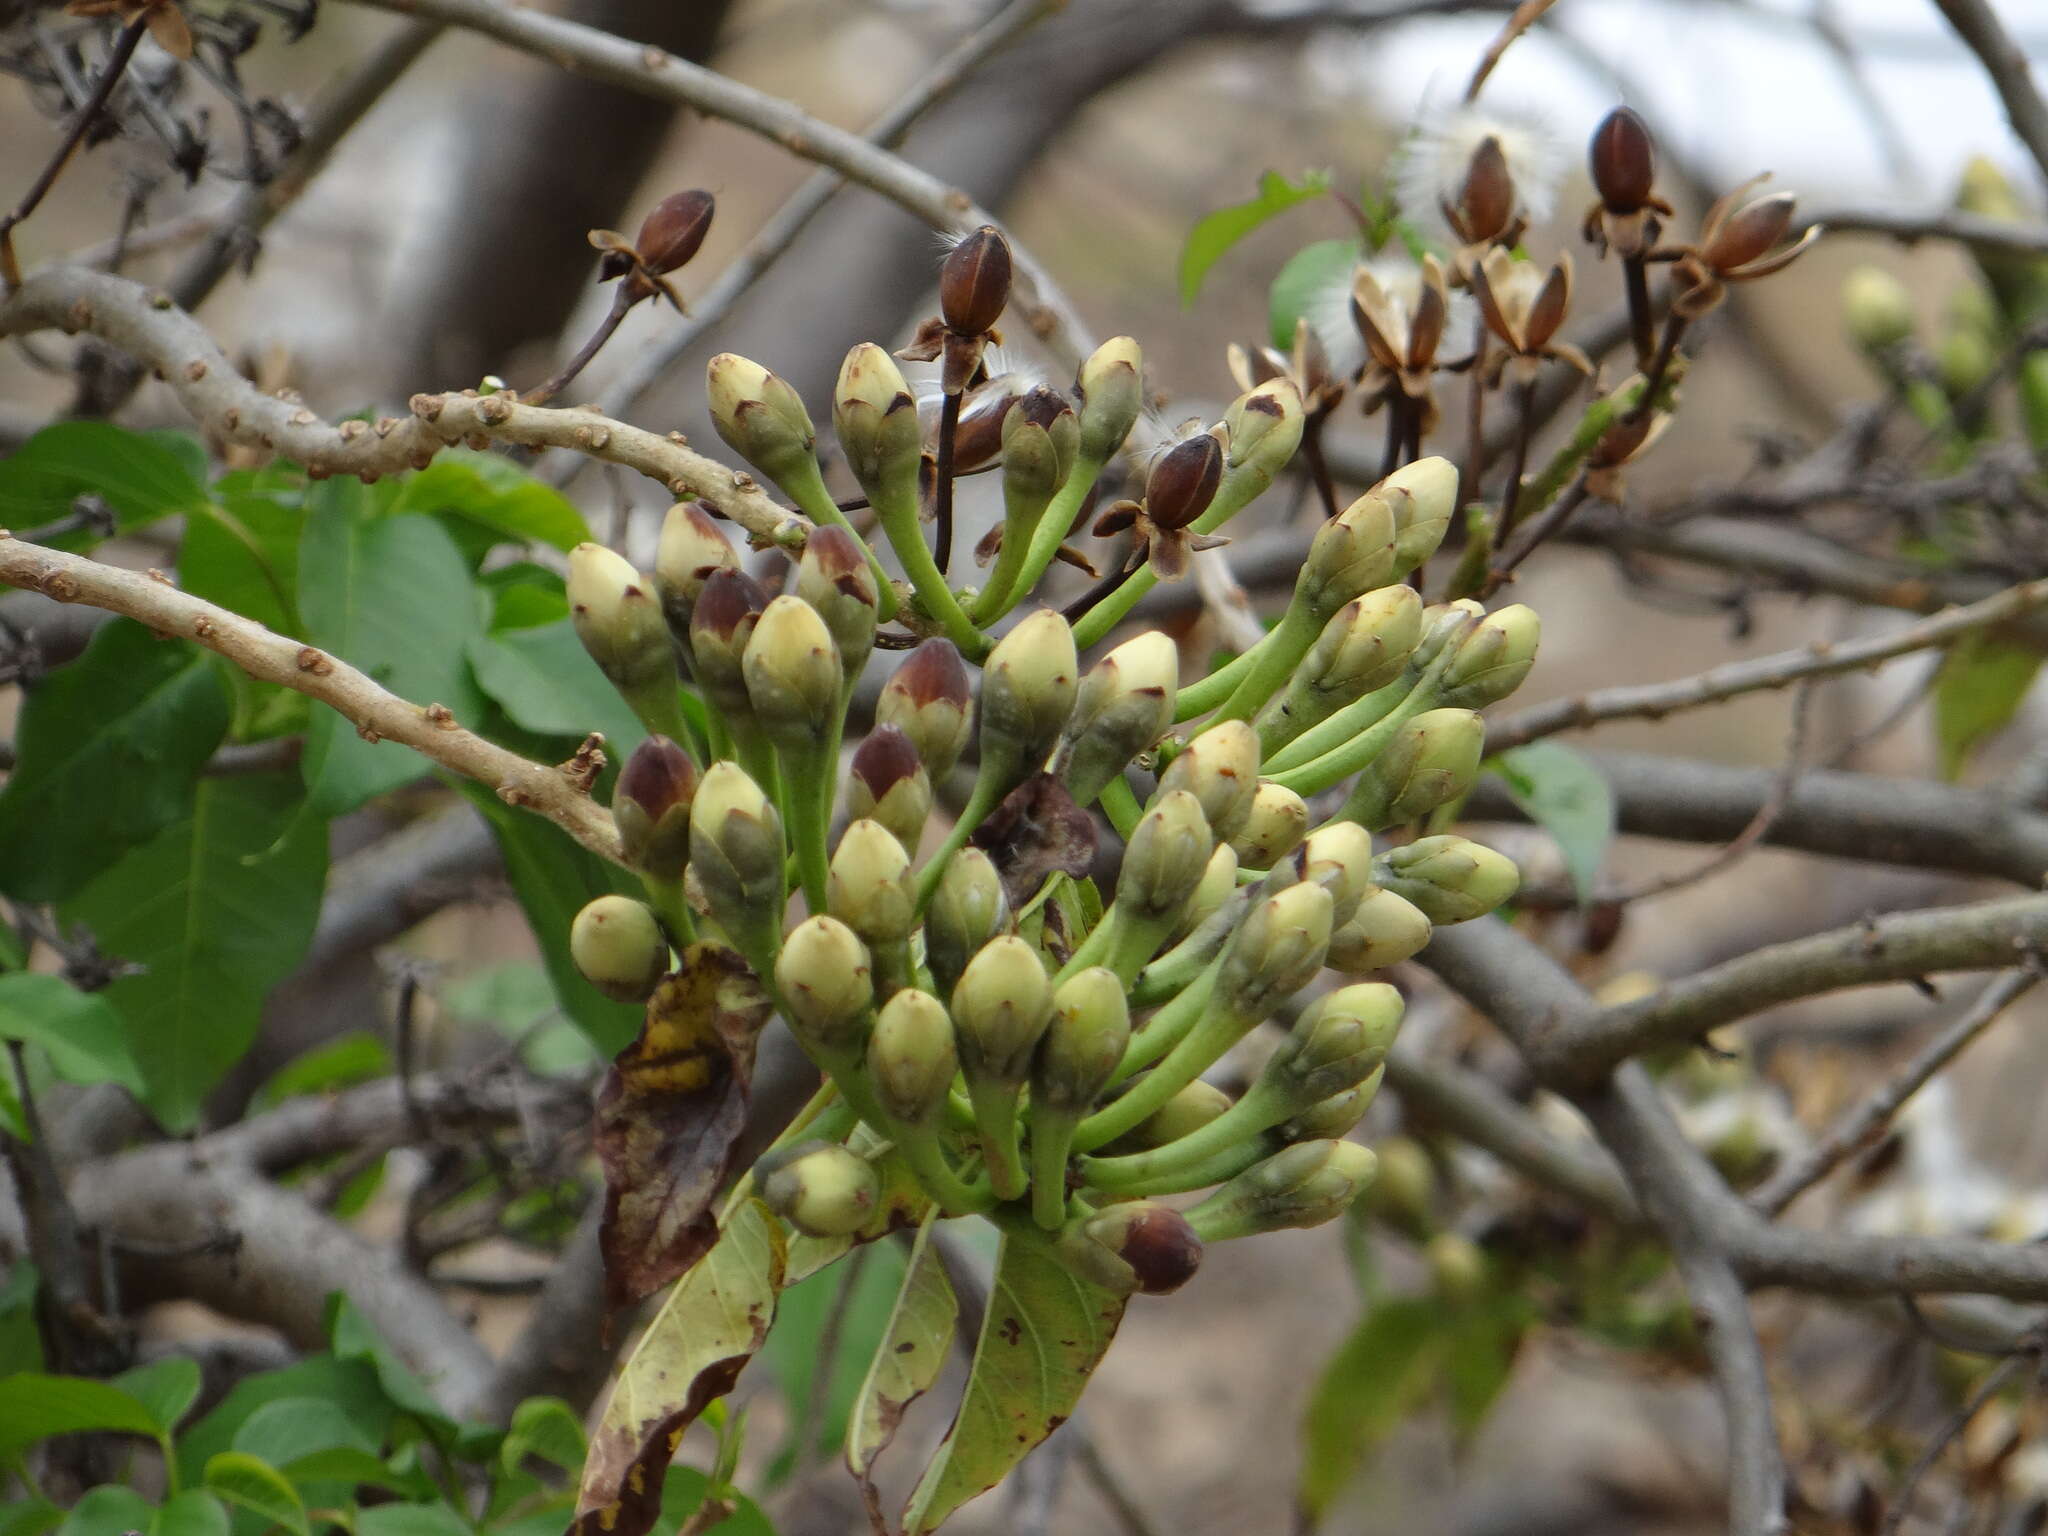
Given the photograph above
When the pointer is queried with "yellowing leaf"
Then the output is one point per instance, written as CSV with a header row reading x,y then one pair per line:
x,y
913,1352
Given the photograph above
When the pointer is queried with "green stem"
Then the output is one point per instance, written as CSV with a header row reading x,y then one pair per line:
x,y
1214,1031
1217,1168
666,897
1052,1135
1201,697
1120,804
1261,1108
1053,526
1600,415
1023,512
807,489
1166,1028
1279,654
989,789
1164,977
1091,949
660,708
1332,767
995,1118
899,521
809,824
1334,730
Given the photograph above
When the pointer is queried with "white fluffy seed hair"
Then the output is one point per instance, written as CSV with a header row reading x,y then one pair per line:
x,y
1328,309
1431,164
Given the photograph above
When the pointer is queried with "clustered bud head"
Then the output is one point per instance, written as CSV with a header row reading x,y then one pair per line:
x,y
1041,437
912,1057
870,887
974,282
930,700
820,1188
1167,857
1336,1117
652,807
618,945
1112,392
1365,644
792,672
824,977
1384,930
1219,880
1273,828
1448,879
834,577
1001,1007
760,416
1341,1039
1220,768
1136,1245
617,618
1084,1043
887,783
1304,1185
967,910
1123,705
691,550
1431,762
1028,687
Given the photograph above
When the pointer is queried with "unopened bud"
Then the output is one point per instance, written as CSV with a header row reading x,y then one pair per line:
x,y
1183,482
1027,691
1274,828
1220,768
652,807
912,1057
887,783
1084,1043
1406,1187
793,677
618,619
760,416
1112,395
820,1188
1001,1007
967,910
1338,857
1364,646
1964,360
1340,1040
1424,498
1431,762
1304,1186
1353,553
834,577
1337,1116
1166,858
1276,952
736,849
929,699
1491,661
619,947
1123,705
875,418
1624,166
673,232
1444,625
1385,930
728,606
1877,309
1448,879
1264,426
1135,1245
870,887
690,551
1219,879
827,987
974,282
1041,437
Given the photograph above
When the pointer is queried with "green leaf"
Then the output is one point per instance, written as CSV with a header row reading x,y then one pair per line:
x,y
391,596
21,1339
682,1495
220,908
353,1338
710,1325
1044,1332
349,1385
348,1467
29,1517
524,595
1479,1356
517,999
110,748
1370,1383
84,1037
1982,682
256,1485
108,1510
546,682
913,1351
1565,795
1309,271
1217,232
412,1520
293,1428
167,1388
357,1057
488,500
797,1348
140,475
553,877
548,1428
195,1512
242,553
34,1407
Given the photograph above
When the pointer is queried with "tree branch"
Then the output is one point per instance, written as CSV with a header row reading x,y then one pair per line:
x,y
1944,224
1977,24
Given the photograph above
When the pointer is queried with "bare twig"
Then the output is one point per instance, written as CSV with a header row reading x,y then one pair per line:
x,y
2005,62
1944,224
1520,20
1992,1384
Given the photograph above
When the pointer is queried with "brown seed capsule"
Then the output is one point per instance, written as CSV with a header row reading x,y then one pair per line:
x,y
1184,481
1624,169
974,284
1749,233
671,234
1486,202
652,807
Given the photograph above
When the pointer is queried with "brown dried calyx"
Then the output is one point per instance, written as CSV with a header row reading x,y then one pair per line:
x,y
668,238
1738,243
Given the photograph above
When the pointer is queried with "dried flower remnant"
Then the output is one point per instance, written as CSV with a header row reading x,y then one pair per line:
x,y
1738,243
1179,490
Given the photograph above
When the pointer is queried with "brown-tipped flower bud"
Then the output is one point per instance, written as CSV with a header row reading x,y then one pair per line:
x,y
912,1057
1112,393
1364,646
736,850
1877,309
1448,879
1353,553
1424,498
967,910
1337,1116
1166,858
887,783
1134,1245
1220,768
1431,762
820,1188
1084,1044
875,418
652,807
722,623
673,232
1277,823
760,416
835,578
1623,163
1339,858
1339,1040
1491,661
1304,1186
1277,951
1385,930
827,989
1183,482
870,888
1219,879
1124,705
792,672
619,947
930,699
1041,410
1001,1006
1027,691
618,619
1263,428
974,283
691,551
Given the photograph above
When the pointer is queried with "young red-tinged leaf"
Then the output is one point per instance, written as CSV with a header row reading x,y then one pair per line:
x,y
709,1327
1044,1333
668,1116
1036,830
914,1349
